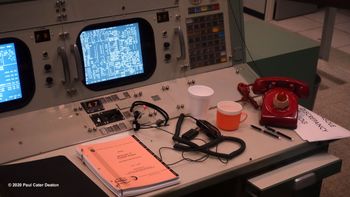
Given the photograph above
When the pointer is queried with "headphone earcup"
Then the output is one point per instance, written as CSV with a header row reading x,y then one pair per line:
x,y
137,115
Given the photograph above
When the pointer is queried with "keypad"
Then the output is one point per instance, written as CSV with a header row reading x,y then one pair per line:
x,y
206,40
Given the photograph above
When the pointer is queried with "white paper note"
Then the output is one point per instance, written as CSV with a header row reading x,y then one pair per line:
x,y
312,127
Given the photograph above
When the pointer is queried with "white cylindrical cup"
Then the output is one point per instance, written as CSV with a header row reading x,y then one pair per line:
x,y
199,99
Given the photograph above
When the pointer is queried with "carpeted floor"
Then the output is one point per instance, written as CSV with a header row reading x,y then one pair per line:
x,y
332,102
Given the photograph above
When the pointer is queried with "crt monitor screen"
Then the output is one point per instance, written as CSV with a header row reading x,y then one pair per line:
x,y
117,53
17,84
10,84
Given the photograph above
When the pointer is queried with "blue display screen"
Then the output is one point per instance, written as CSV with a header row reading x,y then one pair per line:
x,y
111,53
10,84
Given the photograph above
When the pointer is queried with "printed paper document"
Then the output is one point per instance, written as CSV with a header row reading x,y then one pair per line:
x,y
127,167
312,127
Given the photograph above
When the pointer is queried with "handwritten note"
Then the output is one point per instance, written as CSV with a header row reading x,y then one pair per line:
x,y
312,127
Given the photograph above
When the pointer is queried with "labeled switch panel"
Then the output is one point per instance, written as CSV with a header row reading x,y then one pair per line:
x,y
206,40
106,117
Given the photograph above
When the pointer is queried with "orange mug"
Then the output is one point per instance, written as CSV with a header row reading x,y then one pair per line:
x,y
229,115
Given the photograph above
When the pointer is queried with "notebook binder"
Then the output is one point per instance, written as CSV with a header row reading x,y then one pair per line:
x,y
127,166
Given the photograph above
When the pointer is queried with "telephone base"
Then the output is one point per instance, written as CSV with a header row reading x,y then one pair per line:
x,y
272,116
283,122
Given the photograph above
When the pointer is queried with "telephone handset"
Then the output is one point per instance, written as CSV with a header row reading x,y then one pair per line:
x,y
261,85
280,101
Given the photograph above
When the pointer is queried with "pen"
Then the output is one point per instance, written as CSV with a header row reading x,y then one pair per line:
x,y
265,131
279,133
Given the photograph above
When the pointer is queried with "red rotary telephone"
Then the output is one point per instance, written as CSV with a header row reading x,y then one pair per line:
x,y
280,101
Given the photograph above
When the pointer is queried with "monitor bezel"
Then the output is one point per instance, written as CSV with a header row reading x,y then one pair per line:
x,y
147,48
25,72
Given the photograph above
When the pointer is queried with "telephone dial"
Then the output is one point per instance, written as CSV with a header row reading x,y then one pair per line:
x,y
280,99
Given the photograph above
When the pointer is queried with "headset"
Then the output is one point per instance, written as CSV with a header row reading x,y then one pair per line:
x,y
185,144
137,114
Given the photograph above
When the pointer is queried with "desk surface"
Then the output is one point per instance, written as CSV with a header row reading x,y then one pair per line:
x,y
261,150
193,176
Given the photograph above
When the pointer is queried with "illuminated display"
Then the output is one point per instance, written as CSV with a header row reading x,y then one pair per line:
x,y
10,85
17,84
116,53
111,53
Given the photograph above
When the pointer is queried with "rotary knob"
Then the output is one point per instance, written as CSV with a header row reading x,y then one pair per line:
x,y
281,101
167,57
47,67
49,80
166,45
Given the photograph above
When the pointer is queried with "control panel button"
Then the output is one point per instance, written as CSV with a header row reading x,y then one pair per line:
x,y
49,80
47,68
166,45
167,57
